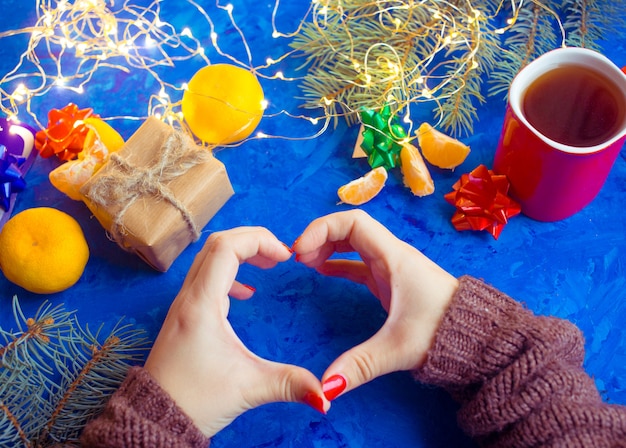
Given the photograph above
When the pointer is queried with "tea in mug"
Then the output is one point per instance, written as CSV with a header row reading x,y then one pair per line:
x,y
575,105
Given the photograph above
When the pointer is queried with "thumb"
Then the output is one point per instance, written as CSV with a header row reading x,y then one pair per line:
x,y
375,357
288,383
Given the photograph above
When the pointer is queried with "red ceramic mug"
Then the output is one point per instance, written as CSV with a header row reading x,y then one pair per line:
x,y
565,125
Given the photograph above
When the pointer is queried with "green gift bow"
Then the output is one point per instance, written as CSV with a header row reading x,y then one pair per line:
x,y
380,137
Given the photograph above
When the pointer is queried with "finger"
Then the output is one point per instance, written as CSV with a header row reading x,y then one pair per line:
x,y
200,256
216,266
355,271
279,382
379,355
239,235
241,291
253,245
352,270
353,229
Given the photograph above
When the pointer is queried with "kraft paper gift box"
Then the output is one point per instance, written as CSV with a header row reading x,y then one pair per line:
x,y
157,193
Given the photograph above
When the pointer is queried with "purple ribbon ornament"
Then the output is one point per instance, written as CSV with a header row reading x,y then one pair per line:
x,y
17,142
11,177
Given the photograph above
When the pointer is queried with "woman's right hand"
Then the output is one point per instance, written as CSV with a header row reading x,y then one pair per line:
x,y
413,290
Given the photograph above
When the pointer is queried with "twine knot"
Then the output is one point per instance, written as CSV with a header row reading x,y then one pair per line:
x,y
124,183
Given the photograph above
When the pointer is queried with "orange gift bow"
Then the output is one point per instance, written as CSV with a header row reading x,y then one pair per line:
x,y
65,134
481,201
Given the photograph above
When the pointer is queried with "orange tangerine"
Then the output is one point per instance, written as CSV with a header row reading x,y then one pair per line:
x,y
440,149
43,250
223,103
361,190
414,171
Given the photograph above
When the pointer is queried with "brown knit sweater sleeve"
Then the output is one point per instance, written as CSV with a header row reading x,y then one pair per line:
x,y
141,414
518,377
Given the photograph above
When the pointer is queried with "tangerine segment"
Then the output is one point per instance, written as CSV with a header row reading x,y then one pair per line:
x,y
43,250
361,190
69,177
415,172
100,142
100,129
223,103
440,149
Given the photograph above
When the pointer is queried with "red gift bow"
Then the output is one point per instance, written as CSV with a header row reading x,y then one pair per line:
x,y
481,201
65,134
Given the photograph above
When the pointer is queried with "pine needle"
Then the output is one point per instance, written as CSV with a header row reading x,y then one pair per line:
x,y
405,54
55,375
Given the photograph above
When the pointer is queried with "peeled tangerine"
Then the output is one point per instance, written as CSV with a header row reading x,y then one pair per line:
x,y
414,171
361,190
440,149
101,141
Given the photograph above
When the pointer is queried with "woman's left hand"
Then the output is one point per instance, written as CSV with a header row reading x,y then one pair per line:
x,y
197,357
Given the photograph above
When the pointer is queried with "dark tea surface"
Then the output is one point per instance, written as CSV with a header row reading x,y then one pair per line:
x,y
575,106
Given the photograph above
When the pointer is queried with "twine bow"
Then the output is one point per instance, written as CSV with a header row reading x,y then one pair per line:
x,y
125,183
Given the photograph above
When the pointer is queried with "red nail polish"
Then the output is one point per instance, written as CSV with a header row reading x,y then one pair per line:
x,y
315,401
251,288
333,386
288,248
298,258
295,242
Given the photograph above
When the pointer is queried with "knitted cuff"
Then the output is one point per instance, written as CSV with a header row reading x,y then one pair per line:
x,y
140,414
479,335
151,402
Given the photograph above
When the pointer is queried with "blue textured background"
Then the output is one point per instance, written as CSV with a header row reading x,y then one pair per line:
x,y
573,268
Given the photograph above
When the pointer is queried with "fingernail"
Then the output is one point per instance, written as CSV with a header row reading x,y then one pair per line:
x,y
295,242
251,288
315,401
288,248
333,386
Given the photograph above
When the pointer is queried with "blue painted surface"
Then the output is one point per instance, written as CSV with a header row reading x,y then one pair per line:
x,y
573,269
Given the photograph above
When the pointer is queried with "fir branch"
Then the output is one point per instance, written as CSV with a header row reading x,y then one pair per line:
x,y
55,375
371,54
533,35
10,423
347,53
98,372
47,321
27,367
582,31
349,46
457,113
587,22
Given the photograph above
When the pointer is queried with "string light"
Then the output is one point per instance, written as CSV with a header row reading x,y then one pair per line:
x,y
72,40
371,53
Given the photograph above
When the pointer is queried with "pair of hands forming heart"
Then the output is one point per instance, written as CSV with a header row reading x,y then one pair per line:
x,y
199,360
